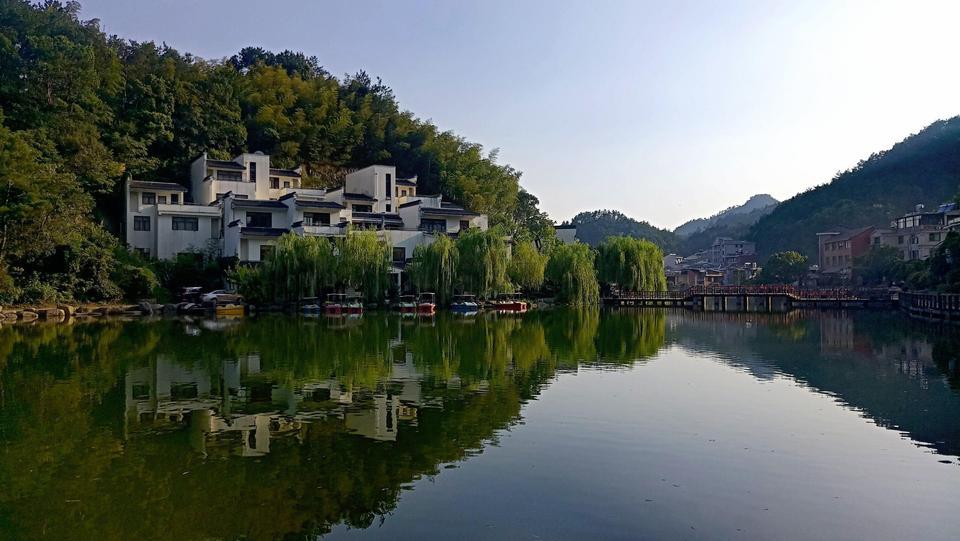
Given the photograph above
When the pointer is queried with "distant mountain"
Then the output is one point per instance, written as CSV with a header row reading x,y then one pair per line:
x,y
593,227
923,168
746,214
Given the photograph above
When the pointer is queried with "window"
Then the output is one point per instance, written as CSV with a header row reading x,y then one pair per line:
x,y
141,223
185,223
399,254
900,239
286,183
316,218
386,186
433,225
259,219
362,208
253,171
215,228
934,237
275,182
162,199
148,198
464,225
144,252
230,176
174,199
265,251
388,207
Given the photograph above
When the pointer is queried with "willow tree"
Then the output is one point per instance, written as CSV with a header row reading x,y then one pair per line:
x,y
631,263
527,266
364,263
434,268
299,267
571,273
483,262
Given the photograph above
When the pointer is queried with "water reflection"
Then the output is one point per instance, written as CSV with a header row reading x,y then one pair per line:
x,y
266,428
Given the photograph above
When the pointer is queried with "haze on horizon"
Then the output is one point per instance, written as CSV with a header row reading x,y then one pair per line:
x,y
664,112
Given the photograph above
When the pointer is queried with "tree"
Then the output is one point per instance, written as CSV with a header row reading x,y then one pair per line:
x,y
632,264
570,272
434,268
364,263
880,265
527,266
483,262
784,268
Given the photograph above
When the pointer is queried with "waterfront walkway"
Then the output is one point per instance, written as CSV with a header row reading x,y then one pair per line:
x,y
756,298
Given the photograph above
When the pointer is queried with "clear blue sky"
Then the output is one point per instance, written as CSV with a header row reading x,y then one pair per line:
x,y
663,110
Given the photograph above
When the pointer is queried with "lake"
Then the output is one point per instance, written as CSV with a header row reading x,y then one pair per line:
x,y
559,424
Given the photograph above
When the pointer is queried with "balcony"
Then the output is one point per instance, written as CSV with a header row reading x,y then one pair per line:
x,y
189,210
322,230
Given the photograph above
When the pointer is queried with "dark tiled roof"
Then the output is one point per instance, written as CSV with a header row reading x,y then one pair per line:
x,y
258,203
447,211
566,226
376,216
405,182
410,204
223,164
150,185
263,231
319,205
358,196
284,172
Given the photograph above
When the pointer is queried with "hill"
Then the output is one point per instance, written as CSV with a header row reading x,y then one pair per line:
x,y
923,168
595,226
747,213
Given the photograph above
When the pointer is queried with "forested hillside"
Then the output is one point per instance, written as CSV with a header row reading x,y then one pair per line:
x,y
745,214
80,110
595,226
923,168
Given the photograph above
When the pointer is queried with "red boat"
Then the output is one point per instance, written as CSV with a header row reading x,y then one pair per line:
x,y
340,303
426,304
510,303
407,304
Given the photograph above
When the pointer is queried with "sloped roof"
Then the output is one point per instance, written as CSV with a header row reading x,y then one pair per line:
x,y
284,172
320,205
258,203
151,185
224,164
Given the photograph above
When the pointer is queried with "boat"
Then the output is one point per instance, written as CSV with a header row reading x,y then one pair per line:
x,y
407,304
510,303
465,304
354,305
336,304
310,305
427,304
224,310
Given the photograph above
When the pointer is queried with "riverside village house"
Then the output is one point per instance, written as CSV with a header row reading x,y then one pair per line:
x,y
239,208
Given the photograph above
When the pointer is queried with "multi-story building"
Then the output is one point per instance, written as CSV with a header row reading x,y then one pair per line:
x,y
838,249
726,252
240,207
917,234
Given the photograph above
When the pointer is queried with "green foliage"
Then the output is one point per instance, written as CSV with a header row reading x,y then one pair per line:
x,y
941,271
300,267
364,263
482,266
594,227
190,269
783,268
920,169
434,268
632,264
881,265
570,272
83,109
527,266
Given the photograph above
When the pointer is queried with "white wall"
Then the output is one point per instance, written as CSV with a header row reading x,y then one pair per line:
x,y
170,242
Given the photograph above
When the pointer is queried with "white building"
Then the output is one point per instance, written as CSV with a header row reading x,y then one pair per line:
x,y
241,206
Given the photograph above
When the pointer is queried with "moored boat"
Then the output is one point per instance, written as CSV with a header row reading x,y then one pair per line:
x,y
426,304
336,304
510,303
310,305
465,304
223,310
407,304
354,305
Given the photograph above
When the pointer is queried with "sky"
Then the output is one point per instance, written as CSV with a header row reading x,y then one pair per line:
x,y
665,111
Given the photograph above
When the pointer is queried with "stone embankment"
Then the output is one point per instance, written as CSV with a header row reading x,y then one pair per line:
x,y
66,312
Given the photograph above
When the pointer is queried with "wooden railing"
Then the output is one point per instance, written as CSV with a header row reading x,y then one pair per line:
x,y
934,303
769,290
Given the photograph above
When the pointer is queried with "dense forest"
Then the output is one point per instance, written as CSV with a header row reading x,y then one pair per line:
x,y
594,227
923,168
79,110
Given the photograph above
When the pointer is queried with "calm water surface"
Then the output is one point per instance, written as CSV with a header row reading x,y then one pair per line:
x,y
554,425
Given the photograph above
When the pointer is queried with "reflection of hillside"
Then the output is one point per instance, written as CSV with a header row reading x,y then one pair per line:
x,y
264,428
877,363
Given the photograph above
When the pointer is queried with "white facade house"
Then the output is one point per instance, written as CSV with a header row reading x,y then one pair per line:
x,y
241,206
